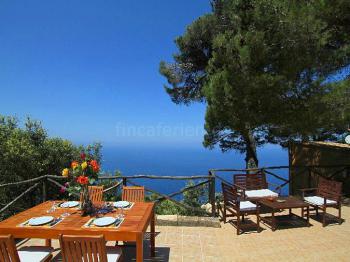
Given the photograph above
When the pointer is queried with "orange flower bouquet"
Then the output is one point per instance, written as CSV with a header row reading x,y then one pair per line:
x,y
81,174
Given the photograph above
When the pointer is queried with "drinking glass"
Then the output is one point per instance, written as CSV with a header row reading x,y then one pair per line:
x,y
52,208
121,214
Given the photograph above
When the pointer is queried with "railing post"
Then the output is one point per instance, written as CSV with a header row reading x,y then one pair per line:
x,y
124,181
44,182
212,193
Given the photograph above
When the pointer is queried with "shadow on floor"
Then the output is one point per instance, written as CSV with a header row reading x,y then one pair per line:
x,y
287,222
331,220
162,253
246,227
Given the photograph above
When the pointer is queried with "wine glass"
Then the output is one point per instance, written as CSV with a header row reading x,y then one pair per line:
x,y
121,214
52,208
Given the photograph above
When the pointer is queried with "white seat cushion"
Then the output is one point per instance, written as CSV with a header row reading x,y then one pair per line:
x,y
34,254
113,253
260,193
318,201
247,206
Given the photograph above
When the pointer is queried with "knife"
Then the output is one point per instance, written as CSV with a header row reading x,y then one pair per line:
x,y
92,220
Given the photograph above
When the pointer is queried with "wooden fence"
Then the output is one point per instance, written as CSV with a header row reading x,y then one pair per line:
x,y
209,180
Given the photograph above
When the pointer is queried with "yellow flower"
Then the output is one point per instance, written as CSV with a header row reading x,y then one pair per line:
x,y
84,165
65,172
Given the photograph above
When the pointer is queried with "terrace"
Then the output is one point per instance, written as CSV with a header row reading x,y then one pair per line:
x,y
194,238
222,244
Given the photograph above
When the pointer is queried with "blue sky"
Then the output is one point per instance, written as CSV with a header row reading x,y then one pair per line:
x,y
89,69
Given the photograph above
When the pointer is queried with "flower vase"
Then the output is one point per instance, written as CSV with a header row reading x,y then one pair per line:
x,y
86,204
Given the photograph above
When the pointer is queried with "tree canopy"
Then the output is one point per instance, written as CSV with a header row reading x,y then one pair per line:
x,y
270,71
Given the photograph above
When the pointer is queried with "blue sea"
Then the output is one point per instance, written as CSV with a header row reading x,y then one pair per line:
x,y
190,161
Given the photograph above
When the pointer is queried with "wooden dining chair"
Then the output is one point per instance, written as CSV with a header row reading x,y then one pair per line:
x,y
88,249
234,207
9,252
133,193
95,193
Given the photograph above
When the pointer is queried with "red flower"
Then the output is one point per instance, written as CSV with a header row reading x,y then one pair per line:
x,y
82,156
95,166
62,190
83,180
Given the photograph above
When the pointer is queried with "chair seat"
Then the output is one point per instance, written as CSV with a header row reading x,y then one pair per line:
x,y
260,193
319,201
34,254
247,206
113,253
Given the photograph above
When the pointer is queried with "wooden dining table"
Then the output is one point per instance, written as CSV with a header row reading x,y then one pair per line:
x,y
133,228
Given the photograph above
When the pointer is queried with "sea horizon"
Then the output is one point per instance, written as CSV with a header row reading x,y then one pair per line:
x,y
187,161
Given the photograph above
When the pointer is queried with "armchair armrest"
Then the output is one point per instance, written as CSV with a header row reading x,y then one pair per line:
x,y
240,190
336,197
304,190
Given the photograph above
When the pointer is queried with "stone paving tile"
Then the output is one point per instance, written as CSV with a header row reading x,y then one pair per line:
x,y
181,244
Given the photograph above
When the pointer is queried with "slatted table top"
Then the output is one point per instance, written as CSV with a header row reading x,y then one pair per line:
x,y
136,221
289,202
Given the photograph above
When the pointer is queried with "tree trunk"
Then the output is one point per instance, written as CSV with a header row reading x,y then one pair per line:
x,y
251,158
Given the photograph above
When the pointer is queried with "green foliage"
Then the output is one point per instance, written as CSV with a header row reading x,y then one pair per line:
x,y
266,71
114,194
27,152
193,198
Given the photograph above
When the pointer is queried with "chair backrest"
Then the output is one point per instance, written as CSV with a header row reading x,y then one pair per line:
x,y
133,193
231,196
329,189
250,181
95,194
8,251
83,248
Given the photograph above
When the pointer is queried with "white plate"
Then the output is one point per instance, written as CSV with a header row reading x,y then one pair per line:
x,y
69,204
347,139
121,204
104,221
37,221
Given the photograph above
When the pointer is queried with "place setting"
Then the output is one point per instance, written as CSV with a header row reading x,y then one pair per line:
x,y
103,215
106,222
69,204
125,205
42,221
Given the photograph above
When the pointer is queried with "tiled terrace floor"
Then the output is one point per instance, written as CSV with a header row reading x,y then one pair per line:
x,y
316,243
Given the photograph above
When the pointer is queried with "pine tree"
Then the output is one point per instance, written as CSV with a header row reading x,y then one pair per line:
x,y
270,71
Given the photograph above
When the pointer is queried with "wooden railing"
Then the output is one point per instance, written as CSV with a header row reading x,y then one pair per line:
x,y
209,180
43,181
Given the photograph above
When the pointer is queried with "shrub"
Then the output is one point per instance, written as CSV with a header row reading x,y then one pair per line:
x,y
27,152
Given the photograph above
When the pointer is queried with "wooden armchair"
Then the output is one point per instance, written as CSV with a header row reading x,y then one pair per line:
x,y
253,186
133,193
95,193
237,208
9,252
88,249
327,194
